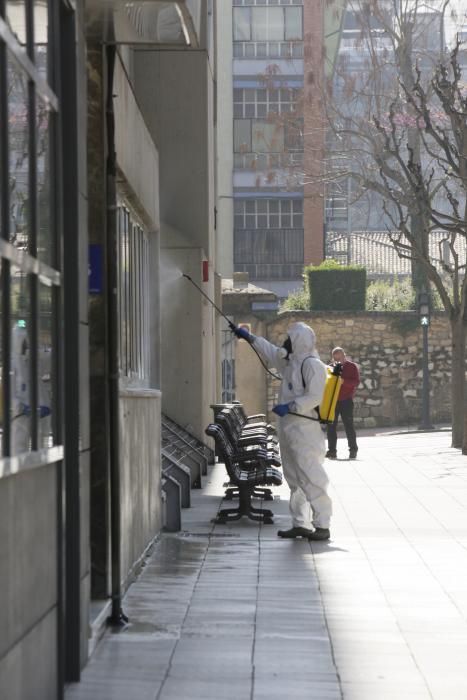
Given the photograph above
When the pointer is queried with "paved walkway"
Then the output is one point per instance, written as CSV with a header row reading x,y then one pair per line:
x,y
379,613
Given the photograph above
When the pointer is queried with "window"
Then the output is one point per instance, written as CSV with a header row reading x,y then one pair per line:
x,y
133,266
261,102
258,134
270,253
267,24
267,137
242,135
29,270
268,213
293,23
241,24
258,137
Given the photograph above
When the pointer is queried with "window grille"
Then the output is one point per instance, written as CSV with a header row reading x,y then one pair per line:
x,y
133,267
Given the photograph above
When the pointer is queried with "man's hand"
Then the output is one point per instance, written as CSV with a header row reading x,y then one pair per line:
x,y
241,333
281,409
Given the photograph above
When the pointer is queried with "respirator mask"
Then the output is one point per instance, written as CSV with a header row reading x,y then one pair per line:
x,y
286,348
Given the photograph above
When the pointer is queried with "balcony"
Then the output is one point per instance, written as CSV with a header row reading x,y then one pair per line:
x,y
265,162
176,24
268,49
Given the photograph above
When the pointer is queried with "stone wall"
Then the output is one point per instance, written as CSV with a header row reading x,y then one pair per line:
x,y
388,349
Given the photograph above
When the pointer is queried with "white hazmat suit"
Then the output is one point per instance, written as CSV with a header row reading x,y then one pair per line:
x,y
302,441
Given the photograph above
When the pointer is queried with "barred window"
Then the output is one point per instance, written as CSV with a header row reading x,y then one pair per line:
x,y
133,266
268,213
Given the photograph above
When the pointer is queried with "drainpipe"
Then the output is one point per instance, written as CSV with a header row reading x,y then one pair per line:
x,y
117,617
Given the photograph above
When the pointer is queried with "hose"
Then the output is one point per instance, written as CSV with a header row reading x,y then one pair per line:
x,y
231,326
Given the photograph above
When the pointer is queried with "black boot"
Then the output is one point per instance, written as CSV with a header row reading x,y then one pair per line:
x,y
320,534
331,454
295,532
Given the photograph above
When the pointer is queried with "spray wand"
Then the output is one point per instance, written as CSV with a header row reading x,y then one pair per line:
x,y
231,325
210,300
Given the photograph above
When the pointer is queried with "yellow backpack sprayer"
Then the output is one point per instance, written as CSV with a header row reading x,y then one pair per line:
x,y
327,408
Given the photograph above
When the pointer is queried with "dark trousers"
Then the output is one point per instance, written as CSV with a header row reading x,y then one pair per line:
x,y
344,409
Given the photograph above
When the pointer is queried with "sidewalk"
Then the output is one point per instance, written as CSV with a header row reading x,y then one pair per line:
x,y
380,613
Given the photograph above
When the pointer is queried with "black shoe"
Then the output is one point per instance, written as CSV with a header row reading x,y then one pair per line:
x,y
320,534
295,532
353,454
331,454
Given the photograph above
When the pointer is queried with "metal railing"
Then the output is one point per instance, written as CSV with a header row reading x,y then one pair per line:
x,y
267,161
268,49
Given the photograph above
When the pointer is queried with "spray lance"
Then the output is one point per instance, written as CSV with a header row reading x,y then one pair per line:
x,y
231,325
335,372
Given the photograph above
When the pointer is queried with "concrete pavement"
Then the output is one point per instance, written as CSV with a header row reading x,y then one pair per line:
x,y
380,613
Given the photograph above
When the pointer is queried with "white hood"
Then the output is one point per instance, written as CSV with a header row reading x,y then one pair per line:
x,y
303,340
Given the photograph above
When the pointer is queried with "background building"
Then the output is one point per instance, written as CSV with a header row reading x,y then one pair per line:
x,y
265,81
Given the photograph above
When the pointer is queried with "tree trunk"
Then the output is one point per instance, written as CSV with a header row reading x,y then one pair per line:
x,y
457,380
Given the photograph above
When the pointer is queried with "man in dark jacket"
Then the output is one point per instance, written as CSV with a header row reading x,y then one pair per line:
x,y
344,407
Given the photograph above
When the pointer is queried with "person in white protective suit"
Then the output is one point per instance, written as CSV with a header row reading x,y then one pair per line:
x,y
301,439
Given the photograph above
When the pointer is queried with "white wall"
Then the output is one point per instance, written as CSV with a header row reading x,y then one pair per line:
x,y
188,340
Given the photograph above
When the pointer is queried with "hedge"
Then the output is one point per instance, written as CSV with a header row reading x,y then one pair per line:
x,y
334,287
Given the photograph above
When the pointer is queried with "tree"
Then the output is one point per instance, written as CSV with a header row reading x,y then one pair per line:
x,y
438,196
397,129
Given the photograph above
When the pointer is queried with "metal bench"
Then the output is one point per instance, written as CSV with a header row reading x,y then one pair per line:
x,y
244,476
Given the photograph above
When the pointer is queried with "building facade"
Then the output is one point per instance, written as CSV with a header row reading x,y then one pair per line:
x,y
44,321
107,196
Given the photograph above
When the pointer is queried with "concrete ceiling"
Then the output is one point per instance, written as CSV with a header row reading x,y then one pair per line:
x,y
145,22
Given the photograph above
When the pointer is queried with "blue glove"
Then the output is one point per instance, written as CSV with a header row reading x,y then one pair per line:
x,y
241,333
44,411
281,409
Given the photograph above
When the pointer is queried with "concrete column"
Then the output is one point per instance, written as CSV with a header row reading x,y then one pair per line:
x,y
100,569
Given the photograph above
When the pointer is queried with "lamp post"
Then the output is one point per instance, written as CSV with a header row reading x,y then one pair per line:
x,y
424,310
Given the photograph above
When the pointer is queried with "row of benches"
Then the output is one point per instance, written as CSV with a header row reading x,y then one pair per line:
x,y
249,449
184,462
246,445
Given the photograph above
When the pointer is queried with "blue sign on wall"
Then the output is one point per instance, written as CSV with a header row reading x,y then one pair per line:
x,y
95,269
